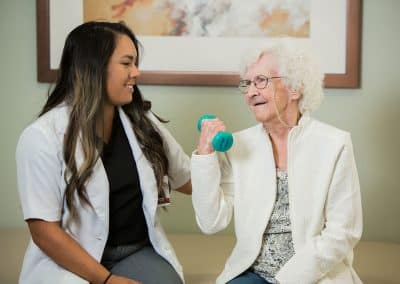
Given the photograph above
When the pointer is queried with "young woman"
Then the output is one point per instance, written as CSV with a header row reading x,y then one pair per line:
x,y
94,168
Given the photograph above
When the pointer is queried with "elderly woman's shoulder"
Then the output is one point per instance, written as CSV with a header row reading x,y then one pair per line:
x,y
327,131
248,138
253,130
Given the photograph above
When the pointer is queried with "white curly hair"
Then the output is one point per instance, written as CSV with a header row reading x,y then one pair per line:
x,y
300,69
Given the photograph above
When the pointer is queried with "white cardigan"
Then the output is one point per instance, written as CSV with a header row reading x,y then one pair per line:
x,y
41,185
324,200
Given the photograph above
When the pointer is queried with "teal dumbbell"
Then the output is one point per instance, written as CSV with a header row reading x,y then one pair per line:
x,y
223,140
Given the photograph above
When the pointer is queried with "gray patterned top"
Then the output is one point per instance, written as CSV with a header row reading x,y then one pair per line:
x,y
277,247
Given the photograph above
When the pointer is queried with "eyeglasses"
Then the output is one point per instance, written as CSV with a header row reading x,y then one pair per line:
x,y
260,82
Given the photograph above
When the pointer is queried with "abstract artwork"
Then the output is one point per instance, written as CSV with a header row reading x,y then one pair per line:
x,y
209,18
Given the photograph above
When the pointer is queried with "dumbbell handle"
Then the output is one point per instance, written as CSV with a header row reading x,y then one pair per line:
x,y
223,140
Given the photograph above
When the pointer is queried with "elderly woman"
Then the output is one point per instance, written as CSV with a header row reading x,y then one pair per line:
x,y
290,181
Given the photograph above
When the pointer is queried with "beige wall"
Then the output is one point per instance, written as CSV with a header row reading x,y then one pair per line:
x,y
368,113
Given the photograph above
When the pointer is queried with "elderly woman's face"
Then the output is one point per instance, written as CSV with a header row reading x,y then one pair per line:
x,y
260,96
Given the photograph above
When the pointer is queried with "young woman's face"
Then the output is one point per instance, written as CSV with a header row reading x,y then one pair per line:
x,y
122,72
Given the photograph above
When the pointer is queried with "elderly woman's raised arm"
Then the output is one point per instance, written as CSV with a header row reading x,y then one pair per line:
x,y
212,193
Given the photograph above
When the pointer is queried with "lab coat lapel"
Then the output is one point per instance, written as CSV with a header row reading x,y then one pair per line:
x,y
97,187
147,179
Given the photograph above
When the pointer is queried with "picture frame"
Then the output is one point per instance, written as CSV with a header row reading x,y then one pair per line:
x,y
348,78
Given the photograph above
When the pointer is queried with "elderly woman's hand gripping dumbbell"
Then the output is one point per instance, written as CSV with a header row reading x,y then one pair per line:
x,y
213,135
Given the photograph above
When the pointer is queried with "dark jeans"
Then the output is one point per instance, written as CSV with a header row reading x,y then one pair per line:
x,y
248,277
139,262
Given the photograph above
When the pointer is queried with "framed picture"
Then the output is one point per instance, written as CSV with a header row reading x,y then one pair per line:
x,y
199,49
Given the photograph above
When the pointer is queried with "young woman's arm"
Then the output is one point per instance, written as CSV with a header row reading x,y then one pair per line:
x,y
67,253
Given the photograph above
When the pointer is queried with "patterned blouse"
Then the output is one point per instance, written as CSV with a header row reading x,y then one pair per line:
x,y
277,247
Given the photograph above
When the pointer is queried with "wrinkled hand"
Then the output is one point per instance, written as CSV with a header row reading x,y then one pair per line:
x,y
209,128
115,279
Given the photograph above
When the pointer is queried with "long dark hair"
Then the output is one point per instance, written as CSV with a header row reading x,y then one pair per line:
x,y
81,84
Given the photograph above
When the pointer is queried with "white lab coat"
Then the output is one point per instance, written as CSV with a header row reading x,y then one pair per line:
x,y
41,185
324,200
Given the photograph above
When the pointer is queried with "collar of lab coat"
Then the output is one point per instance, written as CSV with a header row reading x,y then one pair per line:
x,y
147,179
98,187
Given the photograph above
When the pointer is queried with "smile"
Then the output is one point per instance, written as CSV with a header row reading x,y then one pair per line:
x,y
259,104
130,87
